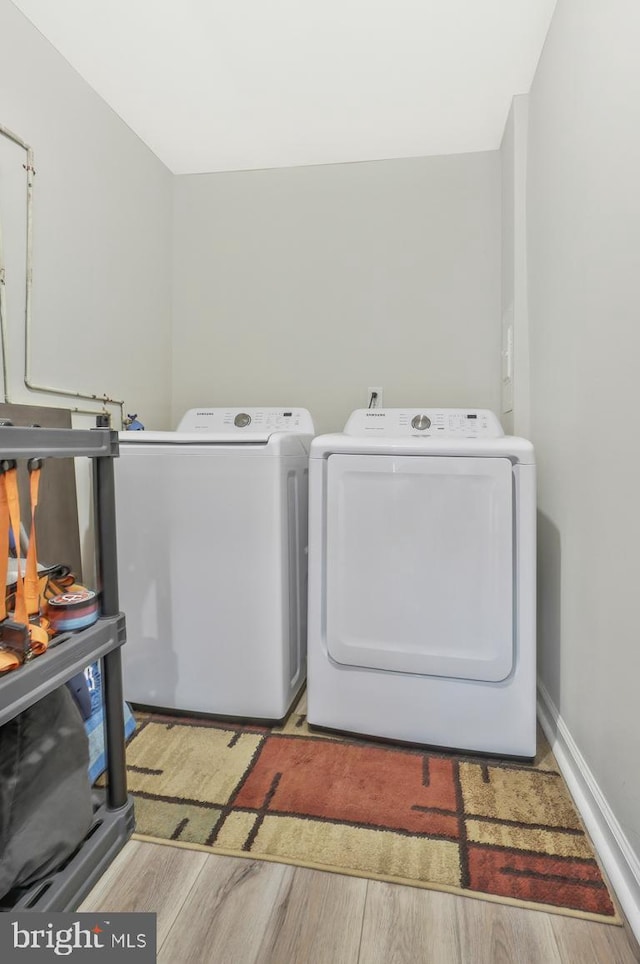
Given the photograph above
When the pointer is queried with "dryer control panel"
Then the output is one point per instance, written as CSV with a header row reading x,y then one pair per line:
x,y
424,423
236,421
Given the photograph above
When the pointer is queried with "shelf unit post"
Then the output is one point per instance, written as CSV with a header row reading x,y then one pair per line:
x,y
107,563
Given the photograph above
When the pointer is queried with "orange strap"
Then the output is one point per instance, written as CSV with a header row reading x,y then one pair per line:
x,y
38,634
31,582
8,659
38,627
11,484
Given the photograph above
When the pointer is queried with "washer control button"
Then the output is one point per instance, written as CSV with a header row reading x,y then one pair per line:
x,y
421,422
242,420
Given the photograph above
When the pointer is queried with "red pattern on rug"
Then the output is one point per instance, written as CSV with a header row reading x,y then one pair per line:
x,y
565,882
367,786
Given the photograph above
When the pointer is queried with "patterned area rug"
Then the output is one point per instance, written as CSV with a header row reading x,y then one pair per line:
x,y
483,827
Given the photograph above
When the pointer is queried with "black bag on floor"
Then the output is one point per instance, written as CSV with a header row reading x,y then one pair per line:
x,y
45,796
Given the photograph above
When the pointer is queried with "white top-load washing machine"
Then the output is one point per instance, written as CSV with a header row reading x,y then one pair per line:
x,y
212,538
422,581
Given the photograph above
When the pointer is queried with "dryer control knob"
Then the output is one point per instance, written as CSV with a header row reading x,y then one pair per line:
x,y
242,420
421,422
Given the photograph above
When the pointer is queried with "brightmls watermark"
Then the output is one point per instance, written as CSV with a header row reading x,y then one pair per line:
x,y
40,937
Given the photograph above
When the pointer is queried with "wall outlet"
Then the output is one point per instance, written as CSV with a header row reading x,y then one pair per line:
x,y
374,402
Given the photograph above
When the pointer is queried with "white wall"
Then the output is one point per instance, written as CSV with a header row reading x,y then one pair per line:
x,y
102,236
305,286
513,153
584,271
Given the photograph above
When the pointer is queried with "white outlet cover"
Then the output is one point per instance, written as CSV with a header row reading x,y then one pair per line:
x,y
507,360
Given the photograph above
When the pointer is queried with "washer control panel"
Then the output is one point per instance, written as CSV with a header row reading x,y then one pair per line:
x,y
246,420
424,423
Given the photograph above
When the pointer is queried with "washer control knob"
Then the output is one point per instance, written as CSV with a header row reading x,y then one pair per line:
x,y
242,420
421,422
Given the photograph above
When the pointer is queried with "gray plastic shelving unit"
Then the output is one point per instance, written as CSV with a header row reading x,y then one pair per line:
x,y
113,818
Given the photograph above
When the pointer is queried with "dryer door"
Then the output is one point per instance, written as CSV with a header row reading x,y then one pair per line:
x,y
419,564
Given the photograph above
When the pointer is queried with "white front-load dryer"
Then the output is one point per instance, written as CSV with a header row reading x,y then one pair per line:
x,y
422,581
212,564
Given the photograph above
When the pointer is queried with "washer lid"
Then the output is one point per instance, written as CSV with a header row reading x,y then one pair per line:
x,y
419,565
194,438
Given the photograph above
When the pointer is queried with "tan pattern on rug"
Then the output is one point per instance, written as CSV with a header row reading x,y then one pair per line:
x,y
498,829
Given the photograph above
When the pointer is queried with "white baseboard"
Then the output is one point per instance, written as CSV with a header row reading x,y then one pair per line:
x,y
617,856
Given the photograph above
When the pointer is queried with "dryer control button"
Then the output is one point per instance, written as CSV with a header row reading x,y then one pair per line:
x,y
421,422
242,420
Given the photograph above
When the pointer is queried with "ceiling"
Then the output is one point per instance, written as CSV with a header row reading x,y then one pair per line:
x,y
217,85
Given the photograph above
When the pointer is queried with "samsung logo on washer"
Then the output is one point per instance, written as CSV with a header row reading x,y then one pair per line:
x,y
121,937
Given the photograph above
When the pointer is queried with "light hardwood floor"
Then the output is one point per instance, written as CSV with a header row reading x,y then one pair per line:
x,y
229,910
